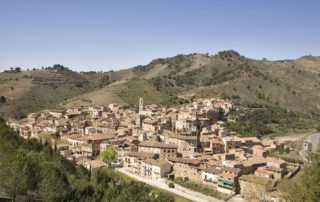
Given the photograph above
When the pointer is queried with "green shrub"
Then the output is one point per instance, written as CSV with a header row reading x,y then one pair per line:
x,y
171,185
2,99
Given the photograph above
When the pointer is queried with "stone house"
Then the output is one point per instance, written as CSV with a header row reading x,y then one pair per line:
x,y
210,176
231,143
163,150
165,123
187,168
78,128
57,113
32,117
270,172
277,173
228,181
91,165
25,132
61,122
74,111
209,130
258,150
132,161
216,146
150,125
154,169
251,165
251,141
205,141
254,187
181,125
184,142
87,145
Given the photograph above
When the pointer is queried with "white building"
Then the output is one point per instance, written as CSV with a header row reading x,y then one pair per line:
x,y
154,169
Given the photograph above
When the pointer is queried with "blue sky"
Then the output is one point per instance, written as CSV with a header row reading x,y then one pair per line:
x,y
103,35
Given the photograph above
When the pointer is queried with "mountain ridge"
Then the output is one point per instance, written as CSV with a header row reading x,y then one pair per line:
x,y
290,84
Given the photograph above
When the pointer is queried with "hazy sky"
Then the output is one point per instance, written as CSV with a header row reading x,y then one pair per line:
x,y
103,35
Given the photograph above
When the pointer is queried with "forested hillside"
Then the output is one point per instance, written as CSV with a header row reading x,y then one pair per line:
x,y
306,186
30,171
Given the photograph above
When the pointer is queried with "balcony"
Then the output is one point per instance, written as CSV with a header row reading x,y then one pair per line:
x,y
225,183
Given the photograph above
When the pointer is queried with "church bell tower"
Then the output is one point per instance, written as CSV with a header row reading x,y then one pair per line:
x,y
141,107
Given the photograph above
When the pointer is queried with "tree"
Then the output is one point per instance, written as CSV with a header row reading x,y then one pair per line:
x,y
311,180
54,185
18,69
13,175
309,149
171,185
161,197
108,155
2,99
308,187
31,171
135,191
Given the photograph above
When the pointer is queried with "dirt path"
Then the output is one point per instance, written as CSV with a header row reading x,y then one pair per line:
x,y
294,137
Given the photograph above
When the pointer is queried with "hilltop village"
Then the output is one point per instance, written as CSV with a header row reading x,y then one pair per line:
x,y
163,144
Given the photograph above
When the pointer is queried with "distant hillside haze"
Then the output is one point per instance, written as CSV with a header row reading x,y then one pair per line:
x,y
289,84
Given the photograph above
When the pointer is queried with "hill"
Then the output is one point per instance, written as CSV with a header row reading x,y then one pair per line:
x,y
286,91
287,86
28,91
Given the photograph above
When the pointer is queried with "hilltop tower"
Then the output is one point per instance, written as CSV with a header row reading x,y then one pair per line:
x,y
141,107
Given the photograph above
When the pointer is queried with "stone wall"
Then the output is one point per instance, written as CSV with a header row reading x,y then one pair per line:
x,y
252,190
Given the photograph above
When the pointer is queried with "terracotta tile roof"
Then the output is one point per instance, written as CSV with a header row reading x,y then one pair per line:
x,y
183,137
157,145
258,147
255,179
97,137
216,141
212,170
74,137
142,155
255,161
194,162
156,162
150,121
92,163
232,170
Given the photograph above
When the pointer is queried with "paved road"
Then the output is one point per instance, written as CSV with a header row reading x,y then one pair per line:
x,y
178,190
314,140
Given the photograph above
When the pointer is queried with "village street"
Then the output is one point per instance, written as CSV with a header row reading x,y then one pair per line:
x,y
178,190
